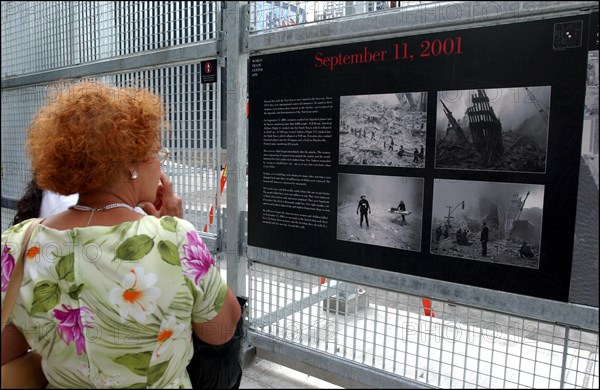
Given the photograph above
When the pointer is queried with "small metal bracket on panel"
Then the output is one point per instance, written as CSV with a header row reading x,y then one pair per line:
x,y
219,241
347,301
220,54
564,325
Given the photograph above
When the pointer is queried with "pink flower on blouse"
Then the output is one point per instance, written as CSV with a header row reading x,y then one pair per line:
x,y
197,260
8,265
71,325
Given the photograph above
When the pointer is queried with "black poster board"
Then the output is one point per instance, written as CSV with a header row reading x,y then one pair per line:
x,y
489,120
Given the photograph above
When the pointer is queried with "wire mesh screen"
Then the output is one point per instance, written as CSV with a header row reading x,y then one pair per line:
x,y
44,35
192,134
267,15
40,36
18,109
6,217
436,343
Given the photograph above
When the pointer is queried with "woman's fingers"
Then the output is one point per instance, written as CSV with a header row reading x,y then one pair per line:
x,y
149,208
171,204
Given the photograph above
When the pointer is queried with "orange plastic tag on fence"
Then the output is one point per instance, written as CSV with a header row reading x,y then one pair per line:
x,y
223,178
427,307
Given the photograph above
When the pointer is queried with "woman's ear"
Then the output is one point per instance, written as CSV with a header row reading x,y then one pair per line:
x,y
133,170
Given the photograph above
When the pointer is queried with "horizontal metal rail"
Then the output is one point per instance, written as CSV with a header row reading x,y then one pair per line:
x,y
413,20
585,317
152,59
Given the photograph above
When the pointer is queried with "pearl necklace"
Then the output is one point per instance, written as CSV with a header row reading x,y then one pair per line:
x,y
103,208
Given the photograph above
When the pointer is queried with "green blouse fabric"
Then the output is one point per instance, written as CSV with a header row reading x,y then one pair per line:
x,y
113,306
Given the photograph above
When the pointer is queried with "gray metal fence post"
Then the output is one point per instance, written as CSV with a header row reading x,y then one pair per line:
x,y
234,24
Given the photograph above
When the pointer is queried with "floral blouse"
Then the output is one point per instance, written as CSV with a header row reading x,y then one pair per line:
x,y
113,306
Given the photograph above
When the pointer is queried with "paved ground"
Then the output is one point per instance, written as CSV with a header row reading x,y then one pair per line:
x,y
263,374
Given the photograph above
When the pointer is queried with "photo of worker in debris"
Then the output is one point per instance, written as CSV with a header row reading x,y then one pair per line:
x,y
380,210
487,221
383,130
502,129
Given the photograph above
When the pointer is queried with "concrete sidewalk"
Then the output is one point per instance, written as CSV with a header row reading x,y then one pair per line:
x,y
264,374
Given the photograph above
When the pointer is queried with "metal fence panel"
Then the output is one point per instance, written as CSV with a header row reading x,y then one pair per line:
x,y
169,39
39,36
452,345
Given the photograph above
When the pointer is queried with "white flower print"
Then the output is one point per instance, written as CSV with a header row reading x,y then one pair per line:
x,y
136,297
40,270
169,330
104,381
39,260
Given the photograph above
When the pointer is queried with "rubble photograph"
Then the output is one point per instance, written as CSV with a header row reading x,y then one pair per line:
x,y
488,221
383,130
502,129
380,210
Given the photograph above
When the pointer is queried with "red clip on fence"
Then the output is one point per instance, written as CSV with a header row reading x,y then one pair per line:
x,y
222,187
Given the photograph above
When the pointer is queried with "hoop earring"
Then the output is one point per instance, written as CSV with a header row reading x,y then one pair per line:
x,y
134,175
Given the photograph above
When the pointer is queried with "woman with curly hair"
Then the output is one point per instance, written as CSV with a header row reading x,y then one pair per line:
x,y
111,296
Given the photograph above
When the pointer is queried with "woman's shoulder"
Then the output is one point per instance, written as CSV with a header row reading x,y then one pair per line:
x,y
18,229
12,241
171,224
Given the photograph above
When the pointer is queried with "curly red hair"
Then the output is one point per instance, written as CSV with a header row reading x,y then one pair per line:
x,y
91,134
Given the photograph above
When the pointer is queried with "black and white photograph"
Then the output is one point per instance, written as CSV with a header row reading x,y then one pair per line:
x,y
380,210
590,136
383,130
488,221
591,90
502,129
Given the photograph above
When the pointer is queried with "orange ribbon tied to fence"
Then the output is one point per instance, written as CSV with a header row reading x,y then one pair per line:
x,y
221,188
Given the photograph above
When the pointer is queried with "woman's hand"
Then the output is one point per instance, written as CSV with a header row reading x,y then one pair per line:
x,y
166,203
